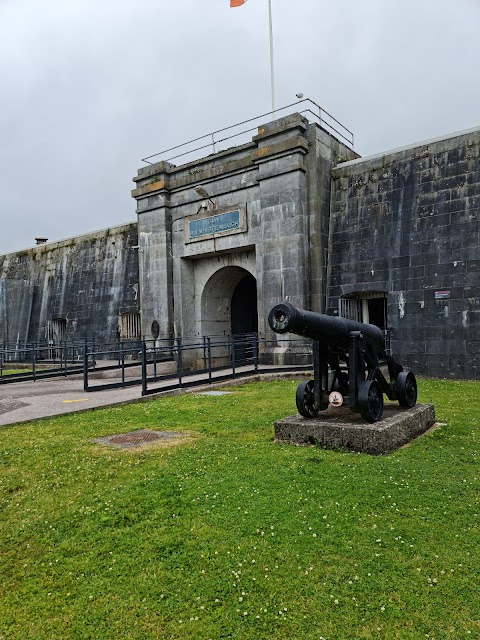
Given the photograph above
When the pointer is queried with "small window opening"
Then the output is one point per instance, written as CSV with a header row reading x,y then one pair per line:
x,y
129,326
56,330
368,307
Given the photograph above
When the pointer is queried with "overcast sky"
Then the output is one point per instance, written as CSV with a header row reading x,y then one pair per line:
x,y
89,87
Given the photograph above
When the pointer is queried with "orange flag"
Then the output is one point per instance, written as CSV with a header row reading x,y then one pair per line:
x,y
237,3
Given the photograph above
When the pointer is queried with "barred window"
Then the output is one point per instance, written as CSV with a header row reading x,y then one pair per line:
x,y
367,306
350,309
129,325
56,329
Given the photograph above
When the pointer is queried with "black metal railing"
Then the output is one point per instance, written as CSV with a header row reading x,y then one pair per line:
x,y
46,359
184,362
35,360
203,361
222,137
155,365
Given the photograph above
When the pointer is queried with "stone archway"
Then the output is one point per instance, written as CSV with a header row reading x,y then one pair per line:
x,y
229,303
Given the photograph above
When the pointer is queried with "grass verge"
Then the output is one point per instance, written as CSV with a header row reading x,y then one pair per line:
x,y
228,535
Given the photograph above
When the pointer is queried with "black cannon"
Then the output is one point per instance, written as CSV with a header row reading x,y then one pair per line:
x,y
354,353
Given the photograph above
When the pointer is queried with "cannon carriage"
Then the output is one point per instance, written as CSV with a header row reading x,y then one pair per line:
x,y
347,359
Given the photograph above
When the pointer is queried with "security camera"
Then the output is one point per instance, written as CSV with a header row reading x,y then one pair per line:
x,y
299,95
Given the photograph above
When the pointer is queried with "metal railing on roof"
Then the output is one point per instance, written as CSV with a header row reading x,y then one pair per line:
x,y
310,108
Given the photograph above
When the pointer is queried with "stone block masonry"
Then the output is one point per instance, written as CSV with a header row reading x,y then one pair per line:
x,y
291,215
85,282
407,224
279,186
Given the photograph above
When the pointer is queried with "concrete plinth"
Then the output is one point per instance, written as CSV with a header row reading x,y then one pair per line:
x,y
340,428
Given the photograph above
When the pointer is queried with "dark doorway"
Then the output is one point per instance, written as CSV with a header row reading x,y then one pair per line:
x,y
244,306
244,317
377,312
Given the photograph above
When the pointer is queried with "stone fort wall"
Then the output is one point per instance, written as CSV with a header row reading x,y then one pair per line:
x,y
317,226
280,182
86,282
408,223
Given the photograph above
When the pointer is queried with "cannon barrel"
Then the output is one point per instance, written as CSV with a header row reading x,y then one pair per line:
x,y
285,318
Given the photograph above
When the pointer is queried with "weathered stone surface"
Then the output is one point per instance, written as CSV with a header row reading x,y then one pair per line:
x,y
340,428
280,182
407,223
404,224
87,281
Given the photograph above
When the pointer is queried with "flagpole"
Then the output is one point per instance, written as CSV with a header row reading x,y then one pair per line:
x,y
272,77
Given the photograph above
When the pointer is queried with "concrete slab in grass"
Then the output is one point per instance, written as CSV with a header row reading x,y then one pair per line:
x,y
340,428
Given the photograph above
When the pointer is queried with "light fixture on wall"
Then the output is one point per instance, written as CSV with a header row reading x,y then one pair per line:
x,y
203,193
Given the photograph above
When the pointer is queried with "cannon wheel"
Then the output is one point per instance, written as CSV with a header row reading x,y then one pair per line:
x,y
370,400
305,400
406,387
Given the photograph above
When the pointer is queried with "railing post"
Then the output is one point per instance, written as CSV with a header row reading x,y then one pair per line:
x,y
179,361
255,351
85,367
144,369
34,355
123,366
209,361
204,352
233,356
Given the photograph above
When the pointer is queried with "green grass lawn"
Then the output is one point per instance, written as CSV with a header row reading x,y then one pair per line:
x,y
9,372
228,535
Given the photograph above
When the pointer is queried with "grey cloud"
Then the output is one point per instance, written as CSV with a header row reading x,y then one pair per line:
x,y
89,88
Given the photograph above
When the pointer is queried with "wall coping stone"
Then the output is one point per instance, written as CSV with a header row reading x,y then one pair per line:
x,y
409,147
57,244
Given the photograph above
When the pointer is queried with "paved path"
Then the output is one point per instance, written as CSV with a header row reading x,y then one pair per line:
x,y
22,401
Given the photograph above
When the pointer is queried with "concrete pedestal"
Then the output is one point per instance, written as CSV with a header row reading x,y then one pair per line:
x,y
340,428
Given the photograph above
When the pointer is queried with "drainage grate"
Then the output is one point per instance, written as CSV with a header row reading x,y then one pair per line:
x,y
137,438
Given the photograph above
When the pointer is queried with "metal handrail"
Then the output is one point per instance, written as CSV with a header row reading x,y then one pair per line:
x,y
45,360
323,117
227,354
